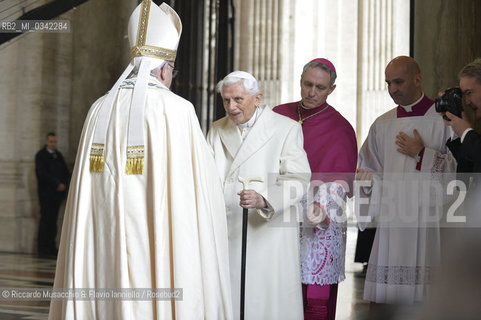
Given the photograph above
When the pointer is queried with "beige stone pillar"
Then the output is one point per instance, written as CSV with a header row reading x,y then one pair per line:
x,y
383,35
22,104
258,43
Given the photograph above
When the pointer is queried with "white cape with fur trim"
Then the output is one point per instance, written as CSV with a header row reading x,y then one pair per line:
x,y
165,228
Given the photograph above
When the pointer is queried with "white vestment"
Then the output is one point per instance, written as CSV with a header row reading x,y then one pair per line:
x,y
404,200
165,228
273,150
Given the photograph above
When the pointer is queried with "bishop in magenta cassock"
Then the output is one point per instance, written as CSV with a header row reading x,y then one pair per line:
x,y
330,144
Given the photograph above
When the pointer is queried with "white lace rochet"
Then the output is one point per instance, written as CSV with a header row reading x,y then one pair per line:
x,y
323,250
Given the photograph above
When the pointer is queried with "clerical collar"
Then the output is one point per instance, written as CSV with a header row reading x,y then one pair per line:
x,y
409,108
251,121
50,150
417,109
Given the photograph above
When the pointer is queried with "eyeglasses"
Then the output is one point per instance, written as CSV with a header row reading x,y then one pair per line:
x,y
174,71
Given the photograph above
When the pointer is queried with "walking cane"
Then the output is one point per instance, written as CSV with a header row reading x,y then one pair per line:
x,y
245,183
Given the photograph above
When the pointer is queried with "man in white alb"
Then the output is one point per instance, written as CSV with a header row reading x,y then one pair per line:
x,y
404,155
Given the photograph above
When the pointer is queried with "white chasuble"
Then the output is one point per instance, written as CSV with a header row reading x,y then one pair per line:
x,y
165,228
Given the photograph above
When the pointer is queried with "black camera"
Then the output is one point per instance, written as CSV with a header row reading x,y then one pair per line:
x,y
450,101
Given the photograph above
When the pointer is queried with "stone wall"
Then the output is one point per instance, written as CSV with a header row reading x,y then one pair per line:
x,y
47,83
447,36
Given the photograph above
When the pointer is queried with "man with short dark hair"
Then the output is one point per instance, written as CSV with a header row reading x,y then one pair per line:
x,y
52,182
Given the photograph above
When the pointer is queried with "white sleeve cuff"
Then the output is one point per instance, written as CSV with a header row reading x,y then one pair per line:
x,y
465,133
266,213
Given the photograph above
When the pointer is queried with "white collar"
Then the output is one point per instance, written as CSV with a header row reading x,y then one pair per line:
x,y
251,121
409,107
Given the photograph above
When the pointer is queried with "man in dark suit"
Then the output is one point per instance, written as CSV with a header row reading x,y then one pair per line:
x,y
52,178
467,148
462,240
467,151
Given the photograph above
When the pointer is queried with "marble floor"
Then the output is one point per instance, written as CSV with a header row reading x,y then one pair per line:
x,y
350,305
29,271
25,271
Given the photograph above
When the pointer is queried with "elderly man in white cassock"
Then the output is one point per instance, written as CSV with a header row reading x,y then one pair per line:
x,y
145,208
253,141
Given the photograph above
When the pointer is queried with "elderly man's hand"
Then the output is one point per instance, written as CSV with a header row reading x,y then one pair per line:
x,y
408,145
251,199
458,124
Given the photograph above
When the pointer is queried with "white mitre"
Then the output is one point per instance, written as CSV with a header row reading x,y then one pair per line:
x,y
154,34
162,37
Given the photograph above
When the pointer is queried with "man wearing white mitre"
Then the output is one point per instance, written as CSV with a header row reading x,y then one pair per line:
x,y
253,141
145,208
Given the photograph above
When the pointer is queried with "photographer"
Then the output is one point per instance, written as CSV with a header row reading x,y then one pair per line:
x,y
467,148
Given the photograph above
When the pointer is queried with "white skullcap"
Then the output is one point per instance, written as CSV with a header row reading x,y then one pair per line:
x,y
249,83
242,75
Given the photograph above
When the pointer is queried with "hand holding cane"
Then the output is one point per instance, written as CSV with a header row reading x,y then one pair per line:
x,y
245,183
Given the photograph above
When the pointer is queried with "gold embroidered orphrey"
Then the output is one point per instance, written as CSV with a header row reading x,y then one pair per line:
x,y
135,154
97,157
